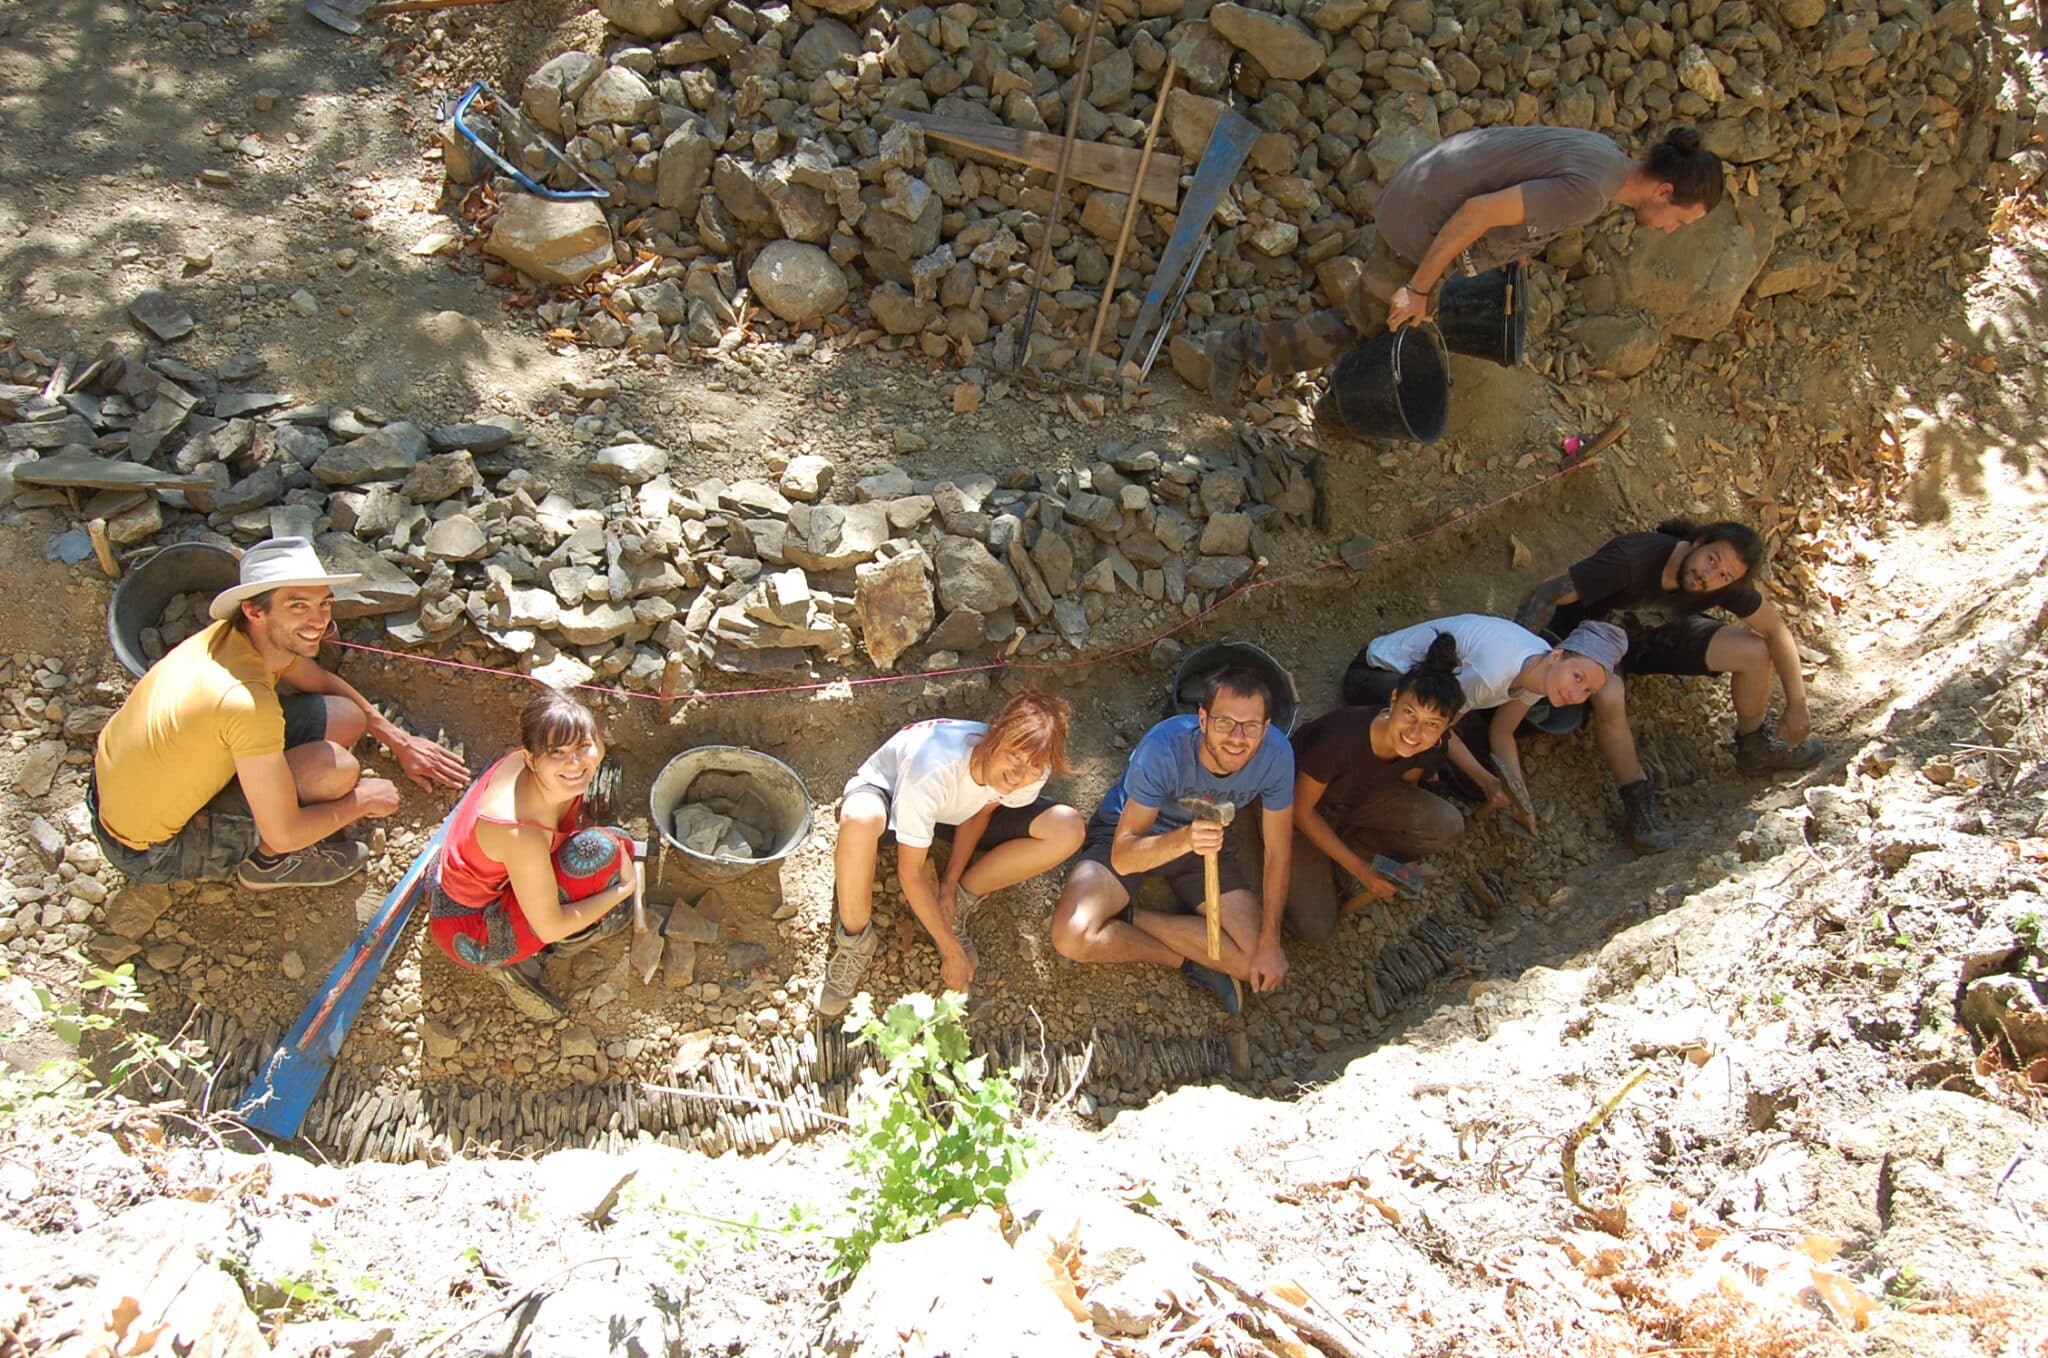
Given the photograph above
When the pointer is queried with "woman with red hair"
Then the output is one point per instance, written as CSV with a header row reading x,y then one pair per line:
x,y
976,784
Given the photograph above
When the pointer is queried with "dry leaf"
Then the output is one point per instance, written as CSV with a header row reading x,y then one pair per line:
x,y
1519,555
1850,1304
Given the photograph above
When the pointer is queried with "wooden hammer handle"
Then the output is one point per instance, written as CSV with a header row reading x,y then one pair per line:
x,y
1212,905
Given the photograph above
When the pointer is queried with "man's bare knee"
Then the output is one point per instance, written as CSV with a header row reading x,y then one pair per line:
x,y
323,771
345,722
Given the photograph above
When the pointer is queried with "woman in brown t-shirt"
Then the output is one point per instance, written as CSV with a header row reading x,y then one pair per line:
x,y
1357,793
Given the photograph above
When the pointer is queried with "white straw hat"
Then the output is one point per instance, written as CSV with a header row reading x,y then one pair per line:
x,y
277,563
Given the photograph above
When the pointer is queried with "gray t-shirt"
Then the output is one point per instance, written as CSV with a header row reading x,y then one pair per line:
x,y
1567,176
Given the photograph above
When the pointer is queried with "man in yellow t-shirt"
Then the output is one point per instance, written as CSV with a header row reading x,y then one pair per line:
x,y
207,773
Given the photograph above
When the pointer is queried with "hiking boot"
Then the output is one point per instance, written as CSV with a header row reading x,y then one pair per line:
x,y
322,864
610,925
1229,356
851,954
1219,984
1760,753
526,993
1647,832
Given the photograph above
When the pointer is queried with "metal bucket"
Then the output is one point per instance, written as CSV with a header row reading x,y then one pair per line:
x,y
1195,668
787,800
139,600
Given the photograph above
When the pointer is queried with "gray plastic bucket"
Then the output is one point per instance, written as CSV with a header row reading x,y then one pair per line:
x,y
1185,696
787,800
139,600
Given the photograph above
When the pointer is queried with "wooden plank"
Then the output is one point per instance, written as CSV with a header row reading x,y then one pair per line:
x,y
1093,162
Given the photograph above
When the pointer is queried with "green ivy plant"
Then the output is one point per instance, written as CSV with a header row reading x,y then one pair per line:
x,y
934,1132
104,997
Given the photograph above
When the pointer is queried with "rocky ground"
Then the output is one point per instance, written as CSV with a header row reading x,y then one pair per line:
x,y
240,252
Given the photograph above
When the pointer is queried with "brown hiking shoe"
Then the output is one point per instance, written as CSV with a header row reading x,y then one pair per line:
x,y
1229,356
1647,831
1760,753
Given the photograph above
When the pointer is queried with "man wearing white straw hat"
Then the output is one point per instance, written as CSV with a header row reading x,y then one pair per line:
x,y
207,772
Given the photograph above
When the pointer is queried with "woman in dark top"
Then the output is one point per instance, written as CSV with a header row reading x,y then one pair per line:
x,y
1357,793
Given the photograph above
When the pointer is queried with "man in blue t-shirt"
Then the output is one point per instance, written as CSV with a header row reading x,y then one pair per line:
x,y
1225,753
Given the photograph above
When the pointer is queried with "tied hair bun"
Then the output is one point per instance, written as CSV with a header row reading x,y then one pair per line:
x,y
1685,139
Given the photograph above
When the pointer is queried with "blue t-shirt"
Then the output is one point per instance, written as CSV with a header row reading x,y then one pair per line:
x,y
1167,766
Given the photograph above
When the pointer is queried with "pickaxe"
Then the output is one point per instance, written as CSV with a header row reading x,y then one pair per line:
x,y
1202,808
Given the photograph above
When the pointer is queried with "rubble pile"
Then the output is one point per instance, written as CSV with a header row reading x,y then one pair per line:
x,y
637,574
759,146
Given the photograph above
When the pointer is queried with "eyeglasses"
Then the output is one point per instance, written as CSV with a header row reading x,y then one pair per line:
x,y
1224,726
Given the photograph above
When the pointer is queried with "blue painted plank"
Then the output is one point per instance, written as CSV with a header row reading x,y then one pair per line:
x,y
284,1089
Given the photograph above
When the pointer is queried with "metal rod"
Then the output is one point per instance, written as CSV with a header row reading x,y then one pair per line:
x,y
1173,307
1123,235
1059,186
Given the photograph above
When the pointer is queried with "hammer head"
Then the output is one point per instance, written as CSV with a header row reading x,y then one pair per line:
x,y
1204,808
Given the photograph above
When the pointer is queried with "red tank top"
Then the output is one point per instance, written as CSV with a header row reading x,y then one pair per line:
x,y
469,875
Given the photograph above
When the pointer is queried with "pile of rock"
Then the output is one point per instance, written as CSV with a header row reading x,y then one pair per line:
x,y
635,577
722,815
760,142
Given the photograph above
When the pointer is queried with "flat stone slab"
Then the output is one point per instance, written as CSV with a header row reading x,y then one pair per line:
x,y
99,473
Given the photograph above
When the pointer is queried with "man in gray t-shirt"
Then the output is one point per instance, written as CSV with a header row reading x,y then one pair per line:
x,y
1475,201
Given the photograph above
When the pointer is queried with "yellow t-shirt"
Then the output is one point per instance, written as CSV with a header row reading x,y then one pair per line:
x,y
174,743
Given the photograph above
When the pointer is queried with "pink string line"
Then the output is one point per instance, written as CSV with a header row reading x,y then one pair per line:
x,y
1076,662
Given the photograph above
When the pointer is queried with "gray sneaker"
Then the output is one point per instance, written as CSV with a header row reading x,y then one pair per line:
x,y
322,864
851,954
526,993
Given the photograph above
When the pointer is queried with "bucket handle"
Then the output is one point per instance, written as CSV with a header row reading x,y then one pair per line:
x,y
1401,338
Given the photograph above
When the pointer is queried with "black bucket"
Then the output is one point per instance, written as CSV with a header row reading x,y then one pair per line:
x,y
1196,667
181,568
1484,316
1395,387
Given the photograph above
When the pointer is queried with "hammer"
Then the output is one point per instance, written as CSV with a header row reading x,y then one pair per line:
x,y
1202,808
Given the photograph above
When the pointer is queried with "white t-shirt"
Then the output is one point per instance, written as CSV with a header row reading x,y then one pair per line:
x,y
923,768
1491,652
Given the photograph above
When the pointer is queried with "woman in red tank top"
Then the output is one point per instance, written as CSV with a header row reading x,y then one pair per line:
x,y
518,871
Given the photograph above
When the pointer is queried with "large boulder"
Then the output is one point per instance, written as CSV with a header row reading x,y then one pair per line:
x,y
643,18
1286,49
685,164
381,455
970,577
895,602
961,1290
618,95
556,86
383,588
552,242
796,281
1694,278
1621,342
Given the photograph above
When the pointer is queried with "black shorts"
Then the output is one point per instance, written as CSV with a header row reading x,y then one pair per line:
x,y
1008,822
1366,684
1183,874
221,834
1678,647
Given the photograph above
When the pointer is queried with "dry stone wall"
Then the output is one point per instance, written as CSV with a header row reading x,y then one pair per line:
x,y
758,145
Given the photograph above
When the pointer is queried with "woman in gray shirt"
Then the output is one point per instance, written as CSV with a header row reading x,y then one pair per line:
x,y
1472,202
